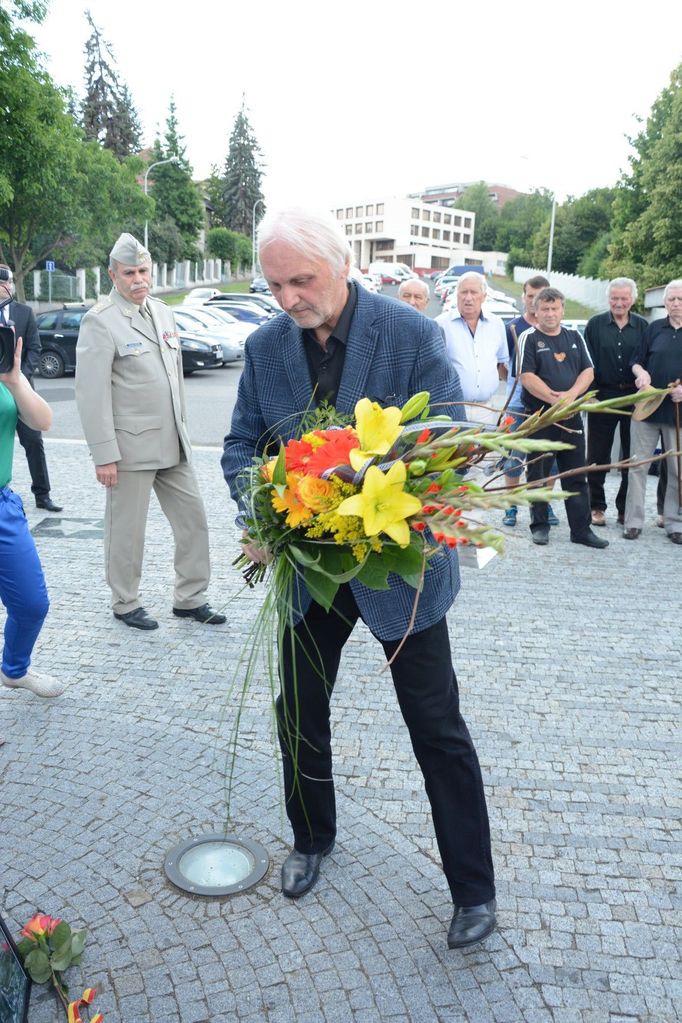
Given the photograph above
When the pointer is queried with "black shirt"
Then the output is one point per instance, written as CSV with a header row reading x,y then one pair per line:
x,y
326,365
558,359
612,350
660,354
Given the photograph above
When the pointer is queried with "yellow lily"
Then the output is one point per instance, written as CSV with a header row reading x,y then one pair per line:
x,y
382,504
377,429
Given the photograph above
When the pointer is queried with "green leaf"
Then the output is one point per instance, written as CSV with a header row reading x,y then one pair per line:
x,y
77,943
279,474
303,555
25,946
374,572
61,935
38,966
62,960
407,562
322,588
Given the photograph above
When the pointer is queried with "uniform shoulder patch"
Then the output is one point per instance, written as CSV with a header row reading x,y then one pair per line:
x,y
102,303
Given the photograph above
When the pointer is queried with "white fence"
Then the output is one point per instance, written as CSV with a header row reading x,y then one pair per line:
x,y
53,287
588,291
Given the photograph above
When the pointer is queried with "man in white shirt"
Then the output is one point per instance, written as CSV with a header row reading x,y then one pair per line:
x,y
476,344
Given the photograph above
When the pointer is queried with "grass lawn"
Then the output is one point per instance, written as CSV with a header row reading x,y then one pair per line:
x,y
574,310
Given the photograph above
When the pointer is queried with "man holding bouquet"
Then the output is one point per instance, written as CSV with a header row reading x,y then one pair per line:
x,y
338,343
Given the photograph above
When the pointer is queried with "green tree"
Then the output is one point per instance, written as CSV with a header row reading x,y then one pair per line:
x,y
241,179
176,196
477,199
59,196
580,223
108,114
647,220
518,221
223,243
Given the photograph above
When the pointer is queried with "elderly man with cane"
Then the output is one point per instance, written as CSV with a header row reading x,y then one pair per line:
x,y
658,363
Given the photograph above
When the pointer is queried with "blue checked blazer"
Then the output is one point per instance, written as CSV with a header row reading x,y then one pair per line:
x,y
392,352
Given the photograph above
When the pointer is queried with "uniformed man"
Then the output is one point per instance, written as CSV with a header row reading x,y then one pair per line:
x,y
556,366
130,398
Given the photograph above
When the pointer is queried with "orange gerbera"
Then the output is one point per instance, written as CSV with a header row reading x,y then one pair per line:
x,y
290,503
297,454
334,452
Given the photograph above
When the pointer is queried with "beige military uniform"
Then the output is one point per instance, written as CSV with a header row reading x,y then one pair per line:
x,y
130,397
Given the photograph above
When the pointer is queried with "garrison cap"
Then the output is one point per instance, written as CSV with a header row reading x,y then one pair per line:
x,y
129,251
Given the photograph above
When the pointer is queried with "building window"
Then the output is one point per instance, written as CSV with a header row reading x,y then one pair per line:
x,y
380,208
349,212
339,214
415,213
447,218
384,245
425,232
369,212
458,221
414,229
368,228
467,221
436,232
446,236
379,226
349,228
456,236
358,228
426,214
466,238
358,211
436,218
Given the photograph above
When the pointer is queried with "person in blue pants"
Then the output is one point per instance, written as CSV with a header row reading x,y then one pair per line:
x,y
22,583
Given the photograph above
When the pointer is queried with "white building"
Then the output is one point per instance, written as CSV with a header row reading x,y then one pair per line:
x,y
425,236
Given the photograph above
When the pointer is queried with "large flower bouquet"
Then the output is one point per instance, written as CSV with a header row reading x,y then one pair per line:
x,y
385,492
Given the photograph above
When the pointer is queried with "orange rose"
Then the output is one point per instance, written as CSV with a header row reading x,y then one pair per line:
x,y
315,493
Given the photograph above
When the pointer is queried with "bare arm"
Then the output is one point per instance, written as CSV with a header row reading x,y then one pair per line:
x,y
32,409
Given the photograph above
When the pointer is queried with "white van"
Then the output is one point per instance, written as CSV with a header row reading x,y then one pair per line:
x,y
391,272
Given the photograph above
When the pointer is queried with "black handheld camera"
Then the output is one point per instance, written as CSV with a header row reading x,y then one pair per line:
x,y
7,336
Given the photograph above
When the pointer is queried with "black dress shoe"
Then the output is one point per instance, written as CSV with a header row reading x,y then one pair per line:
x,y
471,924
204,614
590,539
541,537
675,537
138,619
47,504
300,871
631,533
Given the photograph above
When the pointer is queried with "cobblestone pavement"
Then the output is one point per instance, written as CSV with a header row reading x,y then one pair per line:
x,y
568,661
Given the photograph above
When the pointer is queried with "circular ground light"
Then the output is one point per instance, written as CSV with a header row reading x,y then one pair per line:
x,y
216,864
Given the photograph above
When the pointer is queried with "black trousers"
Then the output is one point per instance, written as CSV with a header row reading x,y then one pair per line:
x,y
426,688
32,443
601,430
578,506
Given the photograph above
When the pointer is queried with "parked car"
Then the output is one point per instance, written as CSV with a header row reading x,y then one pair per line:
x,y
227,298
58,331
198,353
200,295
229,337
260,284
59,328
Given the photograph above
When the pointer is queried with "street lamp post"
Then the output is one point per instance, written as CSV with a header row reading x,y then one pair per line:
x,y
171,159
253,235
551,235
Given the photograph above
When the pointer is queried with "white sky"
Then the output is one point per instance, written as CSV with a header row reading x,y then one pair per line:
x,y
371,98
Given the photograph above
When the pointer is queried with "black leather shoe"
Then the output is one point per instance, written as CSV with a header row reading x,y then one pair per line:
x,y
204,614
675,537
590,539
138,619
300,871
541,537
47,504
471,924
631,533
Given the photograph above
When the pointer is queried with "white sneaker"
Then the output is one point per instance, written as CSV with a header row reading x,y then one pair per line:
x,y
41,685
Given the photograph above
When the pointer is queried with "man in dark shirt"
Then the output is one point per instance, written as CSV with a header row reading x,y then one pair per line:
x,y
342,343
612,340
555,366
658,363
